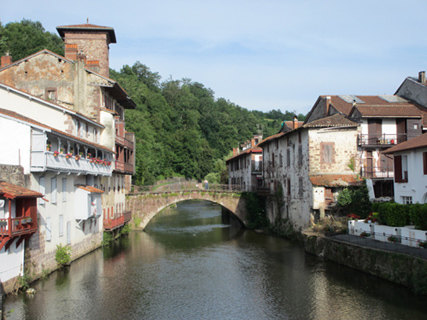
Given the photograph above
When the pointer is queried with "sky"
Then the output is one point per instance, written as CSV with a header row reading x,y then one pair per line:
x,y
260,55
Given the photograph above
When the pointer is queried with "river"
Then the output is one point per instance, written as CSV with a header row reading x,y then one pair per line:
x,y
192,263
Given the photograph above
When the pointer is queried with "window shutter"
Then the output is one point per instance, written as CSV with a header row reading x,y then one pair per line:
x,y
425,162
398,169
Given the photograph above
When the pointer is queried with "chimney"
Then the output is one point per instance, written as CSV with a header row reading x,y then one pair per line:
x,y
235,151
6,60
252,142
328,103
422,77
295,122
71,51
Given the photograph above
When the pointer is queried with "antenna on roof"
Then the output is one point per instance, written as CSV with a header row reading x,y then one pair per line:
x,y
87,20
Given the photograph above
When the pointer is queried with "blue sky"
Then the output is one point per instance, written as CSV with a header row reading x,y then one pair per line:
x,y
261,55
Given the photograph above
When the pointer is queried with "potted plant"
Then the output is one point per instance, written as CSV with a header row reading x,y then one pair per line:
x,y
29,220
16,222
55,153
89,155
393,238
68,155
364,234
24,221
61,151
422,244
77,157
48,147
3,224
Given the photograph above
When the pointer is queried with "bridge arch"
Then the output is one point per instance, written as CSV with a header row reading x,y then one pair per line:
x,y
145,206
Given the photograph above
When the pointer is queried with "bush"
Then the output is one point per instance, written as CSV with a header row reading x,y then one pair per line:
x,y
393,214
257,217
418,215
355,199
63,255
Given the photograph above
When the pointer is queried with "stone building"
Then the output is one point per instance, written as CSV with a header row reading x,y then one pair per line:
x,y
304,168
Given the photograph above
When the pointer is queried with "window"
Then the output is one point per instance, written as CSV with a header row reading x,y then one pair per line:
x,y
327,152
288,184
300,188
288,157
425,162
64,189
406,200
42,189
51,94
53,190
272,159
400,168
300,155
61,225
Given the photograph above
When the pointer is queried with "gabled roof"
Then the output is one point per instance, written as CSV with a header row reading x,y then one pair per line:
x,y
12,191
87,27
111,87
394,111
254,149
336,120
414,143
334,180
30,121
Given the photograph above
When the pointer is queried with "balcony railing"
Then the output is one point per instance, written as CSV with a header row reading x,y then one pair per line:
x,y
46,160
377,172
124,167
17,226
385,140
118,220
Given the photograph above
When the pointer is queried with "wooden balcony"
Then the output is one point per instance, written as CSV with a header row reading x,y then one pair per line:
x,y
117,221
377,172
16,228
123,167
381,140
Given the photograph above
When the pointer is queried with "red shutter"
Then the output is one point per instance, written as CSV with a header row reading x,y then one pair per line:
x,y
398,169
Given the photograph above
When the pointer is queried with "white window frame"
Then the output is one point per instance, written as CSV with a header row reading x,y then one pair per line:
x,y
406,200
64,189
48,226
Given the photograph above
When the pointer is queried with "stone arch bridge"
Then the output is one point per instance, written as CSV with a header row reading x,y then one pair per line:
x,y
145,205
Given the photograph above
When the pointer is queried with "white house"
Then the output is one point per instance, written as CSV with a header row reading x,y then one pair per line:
x,y
410,170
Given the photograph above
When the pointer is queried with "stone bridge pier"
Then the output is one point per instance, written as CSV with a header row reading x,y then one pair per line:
x,y
145,206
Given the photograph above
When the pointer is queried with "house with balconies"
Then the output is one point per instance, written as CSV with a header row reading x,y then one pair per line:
x,y
18,222
245,166
384,121
80,82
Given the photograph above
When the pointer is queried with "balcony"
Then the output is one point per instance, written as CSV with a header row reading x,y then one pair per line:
x,y
124,167
17,226
116,221
377,172
47,160
256,167
381,140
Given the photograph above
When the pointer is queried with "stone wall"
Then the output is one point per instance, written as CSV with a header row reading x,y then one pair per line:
x,y
15,175
399,268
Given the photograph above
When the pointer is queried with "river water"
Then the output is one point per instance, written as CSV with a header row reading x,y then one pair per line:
x,y
193,263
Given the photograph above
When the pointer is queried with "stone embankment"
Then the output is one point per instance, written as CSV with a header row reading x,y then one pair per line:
x,y
404,266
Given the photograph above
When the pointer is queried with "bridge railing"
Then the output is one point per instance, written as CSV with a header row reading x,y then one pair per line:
x,y
192,186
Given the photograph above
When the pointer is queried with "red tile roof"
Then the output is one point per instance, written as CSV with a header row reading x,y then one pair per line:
x,y
254,149
395,111
414,143
31,121
87,26
270,138
13,191
334,180
89,188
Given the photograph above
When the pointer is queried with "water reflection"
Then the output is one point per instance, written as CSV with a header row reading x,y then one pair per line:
x,y
192,263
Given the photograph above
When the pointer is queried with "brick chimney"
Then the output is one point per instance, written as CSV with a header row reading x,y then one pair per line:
x,y
235,151
295,122
71,51
93,65
6,60
422,77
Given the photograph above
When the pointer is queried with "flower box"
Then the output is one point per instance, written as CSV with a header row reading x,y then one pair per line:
x,y
24,221
29,220
16,222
